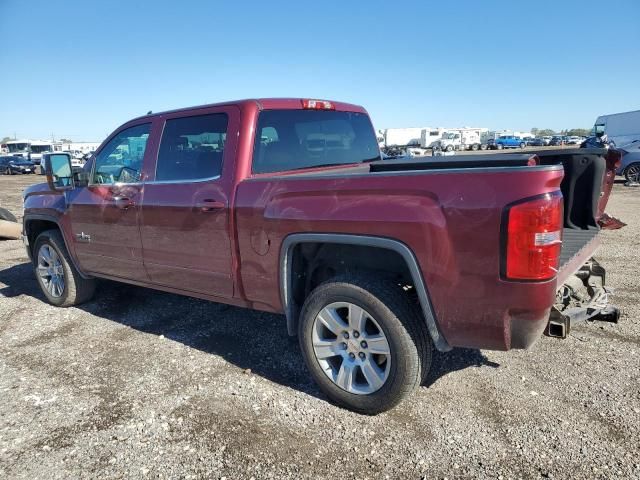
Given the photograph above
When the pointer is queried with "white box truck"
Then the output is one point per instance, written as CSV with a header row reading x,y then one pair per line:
x,y
461,139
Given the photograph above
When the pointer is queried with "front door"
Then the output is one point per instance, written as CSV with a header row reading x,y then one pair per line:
x,y
104,215
185,210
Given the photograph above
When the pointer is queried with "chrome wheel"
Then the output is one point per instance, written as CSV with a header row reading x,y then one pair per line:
x,y
351,348
51,271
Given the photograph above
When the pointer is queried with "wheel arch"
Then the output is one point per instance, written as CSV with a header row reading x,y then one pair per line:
x,y
35,224
292,307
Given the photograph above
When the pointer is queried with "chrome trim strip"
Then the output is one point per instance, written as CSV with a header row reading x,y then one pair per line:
x,y
368,173
169,182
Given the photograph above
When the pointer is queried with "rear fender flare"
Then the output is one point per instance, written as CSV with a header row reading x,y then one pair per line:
x,y
292,310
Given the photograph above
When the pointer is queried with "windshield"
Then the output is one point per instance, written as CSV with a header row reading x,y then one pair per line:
x,y
17,147
449,136
40,148
295,139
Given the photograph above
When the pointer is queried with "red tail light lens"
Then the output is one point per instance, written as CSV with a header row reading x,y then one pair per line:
x,y
534,238
317,105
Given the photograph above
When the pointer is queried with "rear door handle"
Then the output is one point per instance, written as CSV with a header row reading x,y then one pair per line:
x,y
122,202
209,205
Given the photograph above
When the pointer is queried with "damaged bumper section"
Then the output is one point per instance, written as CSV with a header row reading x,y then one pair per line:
x,y
583,296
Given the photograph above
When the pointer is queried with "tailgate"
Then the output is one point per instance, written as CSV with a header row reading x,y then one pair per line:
x,y
577,247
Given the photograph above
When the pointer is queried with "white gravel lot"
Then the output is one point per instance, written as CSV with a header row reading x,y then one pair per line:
x,y
144,384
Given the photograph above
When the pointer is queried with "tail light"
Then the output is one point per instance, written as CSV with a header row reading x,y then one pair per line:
x,y
533,238
317,105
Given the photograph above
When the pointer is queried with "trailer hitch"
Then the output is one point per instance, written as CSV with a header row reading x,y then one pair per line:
x,y
582,298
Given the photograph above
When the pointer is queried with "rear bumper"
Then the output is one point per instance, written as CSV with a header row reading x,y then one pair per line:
x,y
525,327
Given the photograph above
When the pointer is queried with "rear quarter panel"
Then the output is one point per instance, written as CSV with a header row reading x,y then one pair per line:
x,y
449,219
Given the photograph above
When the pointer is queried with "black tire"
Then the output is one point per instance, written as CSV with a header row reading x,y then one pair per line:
x,y
449,148
77,290
7,215
632,172
483,147
409,341
522,145
499,146
475,147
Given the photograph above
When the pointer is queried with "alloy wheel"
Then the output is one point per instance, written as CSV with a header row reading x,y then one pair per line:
x,y
633,173
351,348
51,271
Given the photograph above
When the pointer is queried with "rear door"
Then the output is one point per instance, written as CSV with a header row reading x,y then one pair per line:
x,y
104,215
185,212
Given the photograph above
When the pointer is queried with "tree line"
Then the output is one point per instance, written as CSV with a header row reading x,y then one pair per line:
x,y
546,132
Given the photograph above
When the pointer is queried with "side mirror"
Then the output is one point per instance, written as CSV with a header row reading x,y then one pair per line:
x,y
57,167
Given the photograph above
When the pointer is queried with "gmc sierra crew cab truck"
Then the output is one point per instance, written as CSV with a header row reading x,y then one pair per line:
x,y
284,205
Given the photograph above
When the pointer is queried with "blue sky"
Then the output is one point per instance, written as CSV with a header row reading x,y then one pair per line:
x,y
78,69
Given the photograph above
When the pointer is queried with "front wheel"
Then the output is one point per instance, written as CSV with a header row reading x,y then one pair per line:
x,y
632,173
364,343
58,278
499,146
522,145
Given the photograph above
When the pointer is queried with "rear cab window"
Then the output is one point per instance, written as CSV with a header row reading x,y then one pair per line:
x,y
296,139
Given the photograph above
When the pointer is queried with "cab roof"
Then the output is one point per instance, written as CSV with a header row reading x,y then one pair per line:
x,y
261,104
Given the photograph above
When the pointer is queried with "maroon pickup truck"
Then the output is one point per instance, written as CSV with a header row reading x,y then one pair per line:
x,y
285,205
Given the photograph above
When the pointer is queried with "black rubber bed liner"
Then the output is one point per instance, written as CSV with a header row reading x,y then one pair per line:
x,y
573,241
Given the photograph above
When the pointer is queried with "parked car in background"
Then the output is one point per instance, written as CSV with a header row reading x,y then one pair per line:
x,y
536,142
15,165
508,141
547,139
557,140
630,162
574,140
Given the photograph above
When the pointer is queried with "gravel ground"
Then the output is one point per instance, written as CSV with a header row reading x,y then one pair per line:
x,y
144,384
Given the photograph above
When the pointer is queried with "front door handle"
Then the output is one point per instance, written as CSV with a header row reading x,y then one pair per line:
x,y
209,205
122,202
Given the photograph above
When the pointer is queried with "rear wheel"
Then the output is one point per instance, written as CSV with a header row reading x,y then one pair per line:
x,y
449,148
632,173
59,280
499,146
475,147
522,145
364,342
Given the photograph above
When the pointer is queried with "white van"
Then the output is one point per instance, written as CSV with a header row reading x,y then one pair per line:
x,y
622,128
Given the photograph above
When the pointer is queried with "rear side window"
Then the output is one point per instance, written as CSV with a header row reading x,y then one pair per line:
x,y
295,139
192,147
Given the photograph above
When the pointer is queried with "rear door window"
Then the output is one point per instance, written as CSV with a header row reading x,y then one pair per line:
x,y
192,148
295,139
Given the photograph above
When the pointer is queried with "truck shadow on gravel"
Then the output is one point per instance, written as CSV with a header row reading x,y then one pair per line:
x,y
247,339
